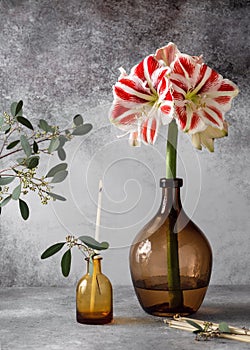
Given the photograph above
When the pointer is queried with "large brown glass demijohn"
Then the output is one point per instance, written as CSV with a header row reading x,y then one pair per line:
x,y
94,296
167,283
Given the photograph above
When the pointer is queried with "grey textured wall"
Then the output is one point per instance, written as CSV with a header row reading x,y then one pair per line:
x,y
62,58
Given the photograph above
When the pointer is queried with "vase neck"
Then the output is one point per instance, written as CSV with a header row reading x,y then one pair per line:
x,y
170,195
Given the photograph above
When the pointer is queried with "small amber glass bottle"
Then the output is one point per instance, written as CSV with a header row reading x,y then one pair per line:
x,y
94,295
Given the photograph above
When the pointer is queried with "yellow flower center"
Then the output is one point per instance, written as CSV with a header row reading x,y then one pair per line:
x,y
194,100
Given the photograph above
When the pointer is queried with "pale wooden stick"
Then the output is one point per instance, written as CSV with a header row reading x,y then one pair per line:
x,y
98,214
181,323
97,230
93,289
243,338
214,326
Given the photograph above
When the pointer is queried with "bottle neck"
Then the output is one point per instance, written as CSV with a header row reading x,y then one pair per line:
x,y
170,195
97,265
94,265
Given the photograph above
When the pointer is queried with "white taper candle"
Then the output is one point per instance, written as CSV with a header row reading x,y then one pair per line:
x,y
98,214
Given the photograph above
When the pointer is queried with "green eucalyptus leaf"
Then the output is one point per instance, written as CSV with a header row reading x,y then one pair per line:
x,y
57,196
13,144
44,125
92,243
35,147
5,180
16,192
61,154
25,122
13,108
82,129
19,106
5,201
60,176
56,169
54,144
195,325
78,120
62,140
24,209
32,162
25,145
52,250
66,262
223,328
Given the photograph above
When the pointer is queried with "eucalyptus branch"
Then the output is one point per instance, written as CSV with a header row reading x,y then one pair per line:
x,y
84,243
16,139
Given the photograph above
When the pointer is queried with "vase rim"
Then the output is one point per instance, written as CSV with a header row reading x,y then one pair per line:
x,y
171,183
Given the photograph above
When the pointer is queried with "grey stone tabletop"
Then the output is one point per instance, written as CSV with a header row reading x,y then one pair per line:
x,y
44,318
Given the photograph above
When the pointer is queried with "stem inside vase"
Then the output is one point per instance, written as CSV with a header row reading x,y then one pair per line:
x,y
174,284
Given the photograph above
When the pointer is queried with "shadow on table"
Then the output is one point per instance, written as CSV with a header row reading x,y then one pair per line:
x,y
132,320
227,313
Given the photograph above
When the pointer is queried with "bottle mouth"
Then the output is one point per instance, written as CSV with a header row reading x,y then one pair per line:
x,y
171,183
95,257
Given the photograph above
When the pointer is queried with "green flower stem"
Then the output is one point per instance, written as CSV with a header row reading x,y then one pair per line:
x,y
171,150
174,285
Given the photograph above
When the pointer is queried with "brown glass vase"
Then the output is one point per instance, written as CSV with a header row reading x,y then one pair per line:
x,y
94,296
170,259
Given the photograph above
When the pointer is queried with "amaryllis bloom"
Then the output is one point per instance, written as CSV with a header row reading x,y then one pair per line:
x,y
142,101
201,95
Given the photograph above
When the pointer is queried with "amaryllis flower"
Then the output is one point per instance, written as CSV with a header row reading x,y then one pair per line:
x,y
201,95
142,101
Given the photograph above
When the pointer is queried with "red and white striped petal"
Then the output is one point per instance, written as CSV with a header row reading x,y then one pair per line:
x,y
123,117
188,120
167,53
180,84
159,78
149,130
196,123
208,79
145,68
224,94
129,89
212,115
185,66
166,113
